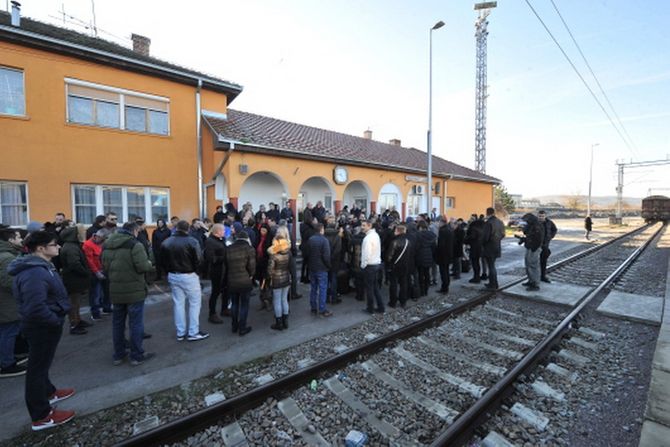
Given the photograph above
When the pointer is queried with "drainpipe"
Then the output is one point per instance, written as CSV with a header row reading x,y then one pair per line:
x,y
198,131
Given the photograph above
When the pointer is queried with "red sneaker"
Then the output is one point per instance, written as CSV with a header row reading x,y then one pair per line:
x,y
53,419
59,395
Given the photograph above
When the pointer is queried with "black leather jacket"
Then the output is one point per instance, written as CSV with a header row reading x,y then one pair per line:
x,y
180,253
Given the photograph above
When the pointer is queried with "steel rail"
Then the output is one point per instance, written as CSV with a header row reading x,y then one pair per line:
x,y
462,429
179,429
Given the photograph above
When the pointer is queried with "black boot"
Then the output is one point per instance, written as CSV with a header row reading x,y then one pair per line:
x,y
284,321
278,326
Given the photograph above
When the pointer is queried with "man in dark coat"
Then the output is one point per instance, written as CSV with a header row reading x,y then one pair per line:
x,y
215,255
355,248
494,232
76,276
550,231
43,304
398,254
532,240
219,215
11,244
459,239
445,253
335,241
317,256
588,226
239,269
425,256
125,261
98,224
306,232
473,238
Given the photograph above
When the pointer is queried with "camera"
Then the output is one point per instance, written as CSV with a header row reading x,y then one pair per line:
x,y
522,239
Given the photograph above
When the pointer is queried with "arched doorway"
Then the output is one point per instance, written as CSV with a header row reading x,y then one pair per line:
x,y
261,188
221,189
358,192
390,197
316,189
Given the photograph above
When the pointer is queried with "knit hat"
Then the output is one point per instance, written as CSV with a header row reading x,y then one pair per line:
x,y
238,228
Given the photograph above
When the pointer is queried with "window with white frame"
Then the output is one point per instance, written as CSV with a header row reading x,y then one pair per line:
x,y
103,106
128,202
450,202
12,92
13,203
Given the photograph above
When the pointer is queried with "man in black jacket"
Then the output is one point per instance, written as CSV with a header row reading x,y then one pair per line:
x,y
445,252
398,254
532,240
494,232
239,269
317,255
550,231
215,255
181,256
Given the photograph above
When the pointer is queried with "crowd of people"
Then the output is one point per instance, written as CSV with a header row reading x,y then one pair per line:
x,y
47,269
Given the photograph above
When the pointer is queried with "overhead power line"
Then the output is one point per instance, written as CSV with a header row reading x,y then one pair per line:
x,y
581,78
602,91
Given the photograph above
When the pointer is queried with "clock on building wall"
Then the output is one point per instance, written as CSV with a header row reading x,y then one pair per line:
x,y
340,175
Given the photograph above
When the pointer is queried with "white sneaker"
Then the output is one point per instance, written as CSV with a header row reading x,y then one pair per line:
x,y
199,336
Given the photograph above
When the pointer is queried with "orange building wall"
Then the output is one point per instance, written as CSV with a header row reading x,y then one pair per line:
x,y
470,198
51,154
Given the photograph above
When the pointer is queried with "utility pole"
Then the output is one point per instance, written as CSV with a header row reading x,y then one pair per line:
x,y
632,164
481,88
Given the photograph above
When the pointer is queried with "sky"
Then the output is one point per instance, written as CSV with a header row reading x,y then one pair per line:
x,y
348,66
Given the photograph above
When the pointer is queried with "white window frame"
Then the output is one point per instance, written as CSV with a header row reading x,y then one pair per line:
x,y
122,104
99,205
16,182
23,78
449,202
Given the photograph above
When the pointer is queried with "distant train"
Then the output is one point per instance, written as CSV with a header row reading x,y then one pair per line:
x,y
656,208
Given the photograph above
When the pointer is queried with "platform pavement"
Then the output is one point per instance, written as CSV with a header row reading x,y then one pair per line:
x,y
85,361
656,426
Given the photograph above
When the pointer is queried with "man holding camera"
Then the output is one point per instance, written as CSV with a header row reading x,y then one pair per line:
x,y
533,235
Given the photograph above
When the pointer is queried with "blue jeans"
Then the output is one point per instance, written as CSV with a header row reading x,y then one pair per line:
x,y
95,292
8,333
135,314
186,286
239,307
332,285
280,301
372,292
319,285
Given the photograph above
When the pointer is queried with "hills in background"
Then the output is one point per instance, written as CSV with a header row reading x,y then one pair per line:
x,y
596,201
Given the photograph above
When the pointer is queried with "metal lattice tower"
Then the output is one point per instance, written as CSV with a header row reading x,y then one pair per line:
x,y
481,89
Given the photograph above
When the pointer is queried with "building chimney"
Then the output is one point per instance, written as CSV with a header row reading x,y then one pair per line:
x,y
141,44
367,134
395,142
16,14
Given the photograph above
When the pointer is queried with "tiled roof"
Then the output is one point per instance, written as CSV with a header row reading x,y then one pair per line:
x,y
36,33
270,134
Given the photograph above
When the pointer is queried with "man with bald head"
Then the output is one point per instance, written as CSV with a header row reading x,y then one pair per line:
x,y
215,254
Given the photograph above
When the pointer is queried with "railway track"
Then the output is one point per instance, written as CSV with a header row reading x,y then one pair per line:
x,y
406,386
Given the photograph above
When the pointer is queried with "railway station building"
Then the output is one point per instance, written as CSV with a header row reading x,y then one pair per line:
x,y
88,126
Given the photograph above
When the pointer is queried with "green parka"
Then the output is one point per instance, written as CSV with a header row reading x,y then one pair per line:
x,y
9,310
125,261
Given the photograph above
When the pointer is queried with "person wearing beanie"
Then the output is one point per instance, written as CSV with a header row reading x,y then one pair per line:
x,y
239,268
33,226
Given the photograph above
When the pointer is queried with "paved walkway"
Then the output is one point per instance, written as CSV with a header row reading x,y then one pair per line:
x,y
656,426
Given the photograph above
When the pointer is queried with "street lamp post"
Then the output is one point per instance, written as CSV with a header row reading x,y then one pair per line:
x,y
588,206
438,25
